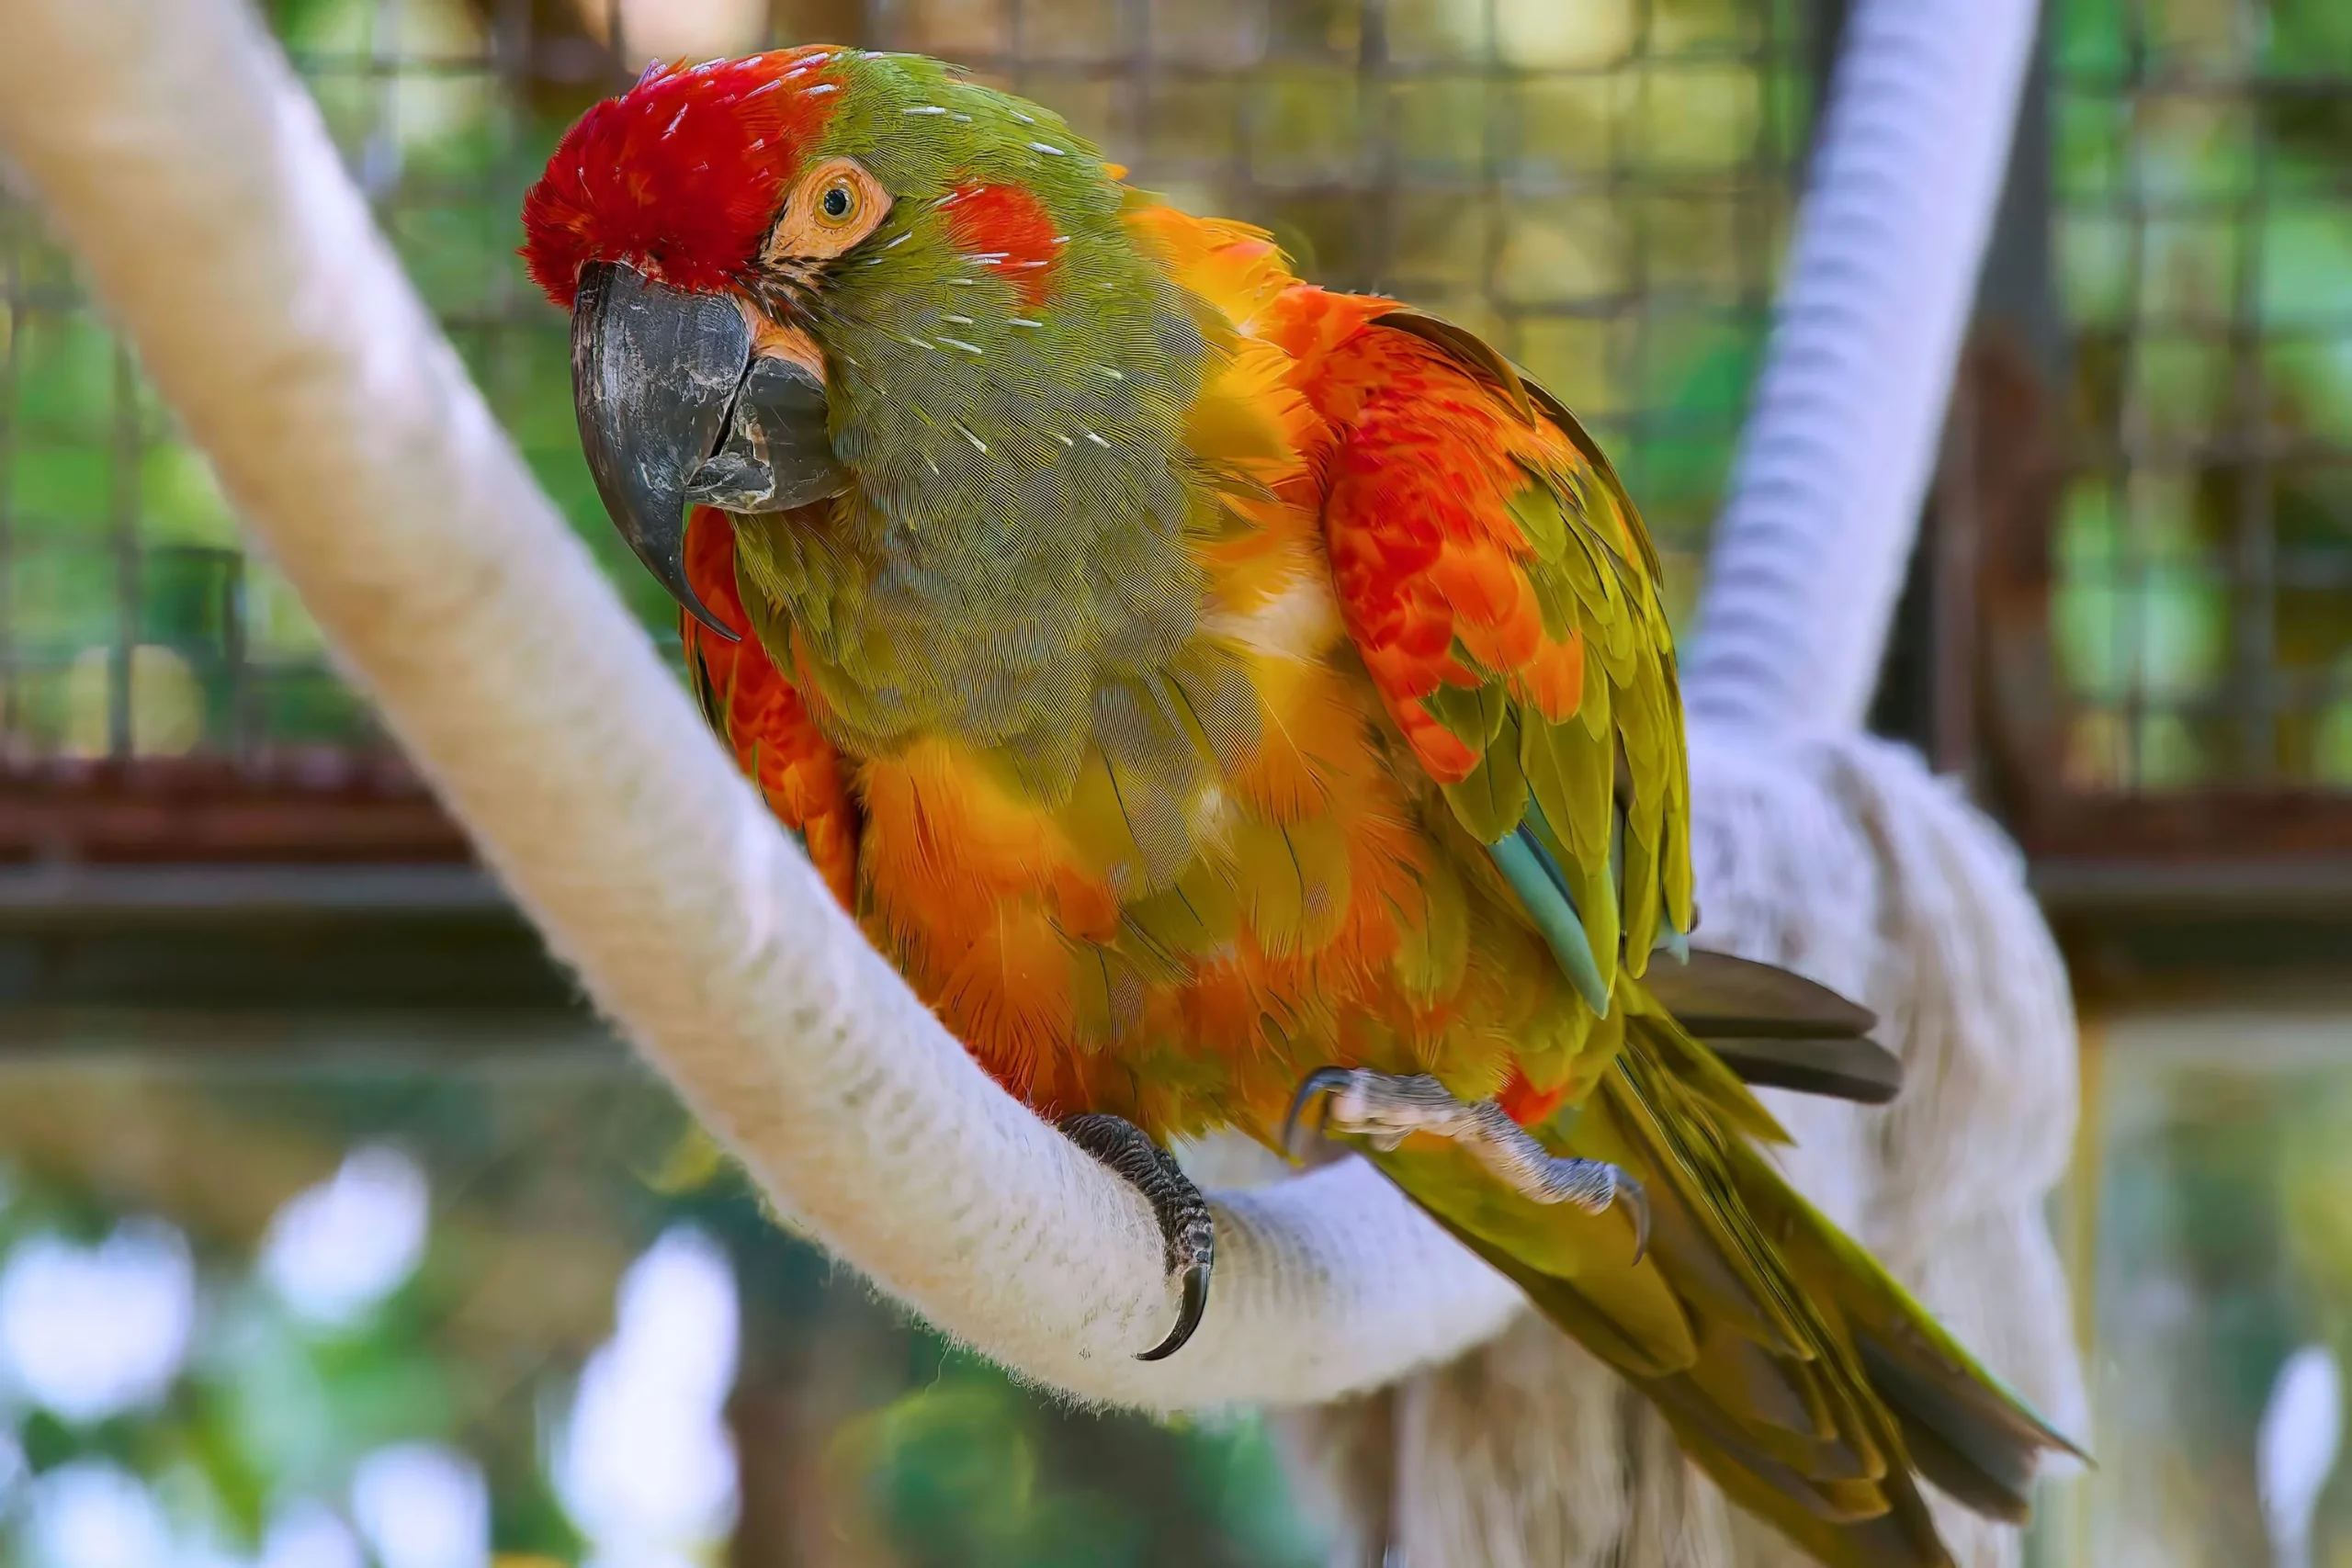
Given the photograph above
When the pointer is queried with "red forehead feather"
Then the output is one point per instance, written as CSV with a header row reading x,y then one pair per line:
x,y
679,175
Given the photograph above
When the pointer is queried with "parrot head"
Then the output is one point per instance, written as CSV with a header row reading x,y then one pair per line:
x,y
823,274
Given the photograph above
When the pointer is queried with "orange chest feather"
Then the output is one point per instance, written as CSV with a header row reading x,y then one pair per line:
x,y
1180,940
1318,916
1157,940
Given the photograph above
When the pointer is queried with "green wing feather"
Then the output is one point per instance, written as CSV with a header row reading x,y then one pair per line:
x,y
1791,1366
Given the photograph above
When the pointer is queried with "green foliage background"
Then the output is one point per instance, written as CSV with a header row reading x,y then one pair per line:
x,y
2204,235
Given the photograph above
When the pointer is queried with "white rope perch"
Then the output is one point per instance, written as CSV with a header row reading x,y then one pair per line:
x,y
173,149
1841,444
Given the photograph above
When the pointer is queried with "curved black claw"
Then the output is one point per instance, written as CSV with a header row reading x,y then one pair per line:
x,y
1631,1190
1188,1317
1186,1227
1322,1080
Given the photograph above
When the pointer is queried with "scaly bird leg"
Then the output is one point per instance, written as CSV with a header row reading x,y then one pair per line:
x,y
1183,1214
1384,1109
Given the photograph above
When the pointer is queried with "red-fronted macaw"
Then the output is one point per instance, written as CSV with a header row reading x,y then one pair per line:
x,y
1222,697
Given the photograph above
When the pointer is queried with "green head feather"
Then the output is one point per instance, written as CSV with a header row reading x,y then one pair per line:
x,y
1015,537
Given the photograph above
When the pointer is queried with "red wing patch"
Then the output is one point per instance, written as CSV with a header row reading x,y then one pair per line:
x,y
1429,563
1008,229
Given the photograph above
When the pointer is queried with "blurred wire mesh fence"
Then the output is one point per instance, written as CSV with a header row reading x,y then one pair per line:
x,y
2202,558
1604,187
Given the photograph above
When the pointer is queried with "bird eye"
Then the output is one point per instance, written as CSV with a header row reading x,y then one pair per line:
x,y
829,208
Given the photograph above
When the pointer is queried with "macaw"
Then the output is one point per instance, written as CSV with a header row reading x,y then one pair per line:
x,y
1230,701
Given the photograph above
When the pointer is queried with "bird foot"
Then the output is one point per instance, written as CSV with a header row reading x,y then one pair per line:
x,y
1383,1111
1185,1225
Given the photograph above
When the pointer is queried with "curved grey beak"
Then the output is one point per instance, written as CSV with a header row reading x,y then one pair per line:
x,y
675,410
653,370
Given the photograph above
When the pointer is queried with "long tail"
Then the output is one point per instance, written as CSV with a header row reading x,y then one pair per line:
x,y
1793,1368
